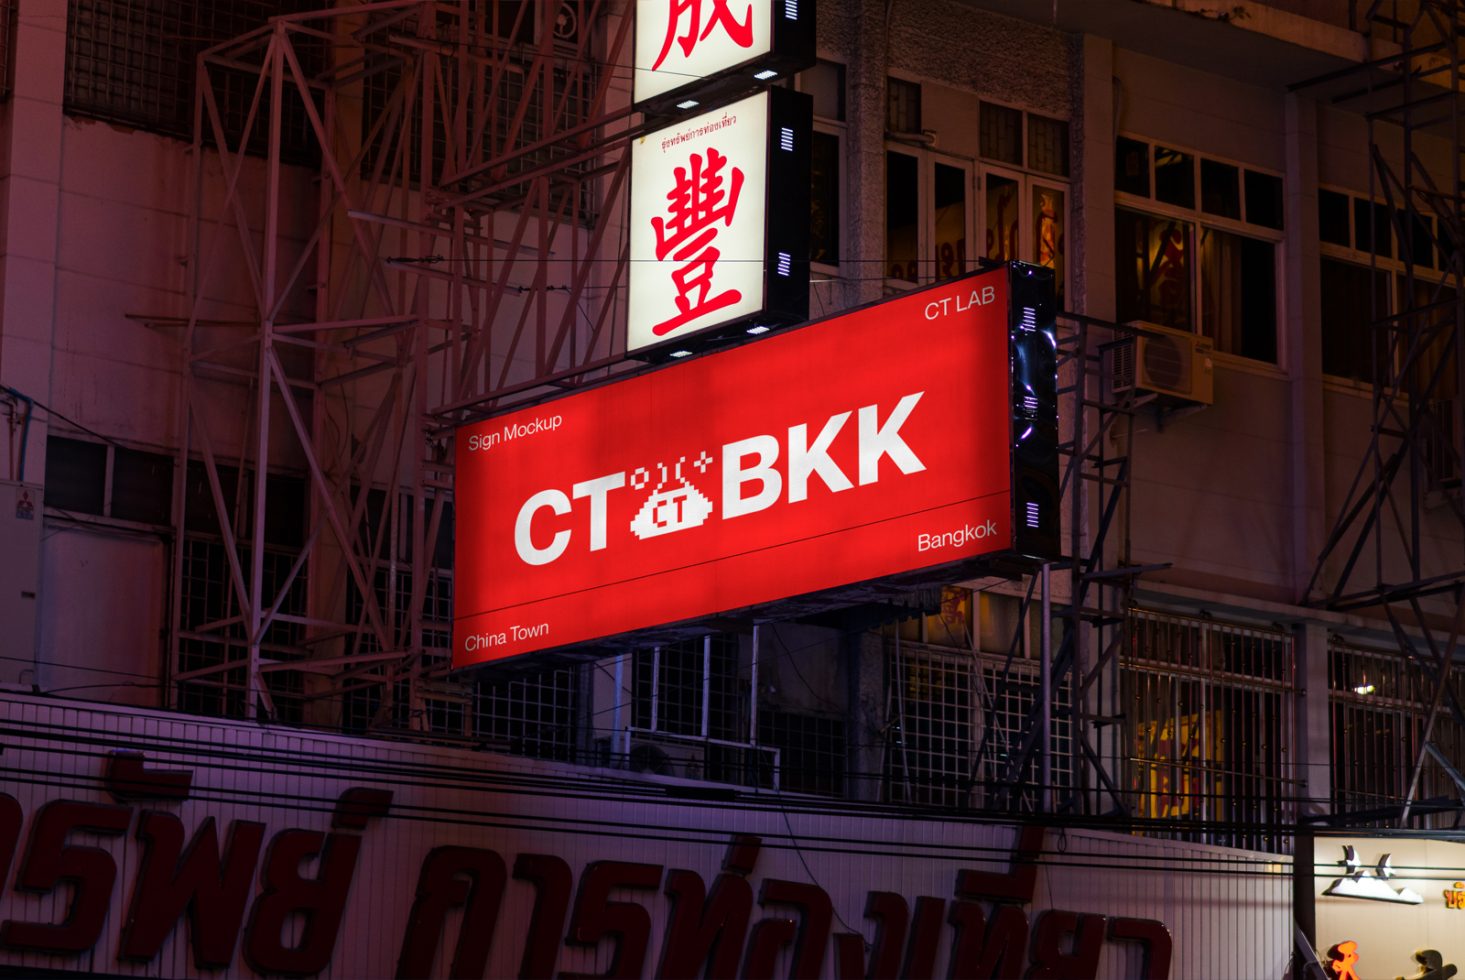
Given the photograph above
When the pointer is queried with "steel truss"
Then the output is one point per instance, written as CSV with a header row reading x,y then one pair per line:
x,y
1094,485
1384,550
464,255
467,254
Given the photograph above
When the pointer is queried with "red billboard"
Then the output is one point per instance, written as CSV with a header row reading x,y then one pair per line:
x,y
855,448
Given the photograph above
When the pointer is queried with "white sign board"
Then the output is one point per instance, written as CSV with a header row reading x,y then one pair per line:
x,y
698,223
682,42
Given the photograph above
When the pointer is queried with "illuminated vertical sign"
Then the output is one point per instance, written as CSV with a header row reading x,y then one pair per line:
x,y
706,249
690,51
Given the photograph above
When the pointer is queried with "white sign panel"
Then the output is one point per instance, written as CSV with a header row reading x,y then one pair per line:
x,y
680,42
698,210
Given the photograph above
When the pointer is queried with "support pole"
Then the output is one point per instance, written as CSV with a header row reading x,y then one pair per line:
x,y
1045,697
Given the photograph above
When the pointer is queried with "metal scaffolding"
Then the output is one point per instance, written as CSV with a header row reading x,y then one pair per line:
x,y
1094,613
464,255
467,253
1384,552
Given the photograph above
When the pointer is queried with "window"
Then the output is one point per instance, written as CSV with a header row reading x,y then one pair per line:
x,y
1353,296
134,62
1365,254
1196,246
933,200
825,84
1024,215
532,715
928,212
950,626
671,684
7,47
689,713
109,481
1378,706
811,750
1207,711
1001,133
902,106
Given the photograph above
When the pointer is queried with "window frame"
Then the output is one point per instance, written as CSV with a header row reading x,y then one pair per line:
x,y
110,448
841,193
1198,219
1390,265
927,160
979,169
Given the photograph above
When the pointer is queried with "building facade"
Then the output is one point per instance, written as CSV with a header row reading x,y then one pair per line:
x,y
259,260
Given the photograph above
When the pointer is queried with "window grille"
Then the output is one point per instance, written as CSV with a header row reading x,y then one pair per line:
x,y
811,750
134,62
1378,706
534,715
553,100
667,689
1009,701
1208,716
208,596
672,733
945,707
932,723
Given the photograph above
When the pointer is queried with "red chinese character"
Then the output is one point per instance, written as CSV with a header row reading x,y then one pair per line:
x,y
739,34
698,202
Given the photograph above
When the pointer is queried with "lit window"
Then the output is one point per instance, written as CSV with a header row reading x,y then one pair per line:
x,y
1205,259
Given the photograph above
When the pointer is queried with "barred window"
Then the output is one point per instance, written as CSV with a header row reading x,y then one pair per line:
x,y
932,725
1378,706
208,638
811,750
668,689
133,62
1207,713
1009,699
515,105
533,715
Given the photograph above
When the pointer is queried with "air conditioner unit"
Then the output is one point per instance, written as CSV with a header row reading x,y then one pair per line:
x,y
666,758
1175,364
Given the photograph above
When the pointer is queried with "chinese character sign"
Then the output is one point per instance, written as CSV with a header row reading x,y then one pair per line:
x,y
698,223
681,42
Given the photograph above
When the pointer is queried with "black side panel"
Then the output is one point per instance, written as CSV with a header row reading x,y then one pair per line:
x,y
1033,347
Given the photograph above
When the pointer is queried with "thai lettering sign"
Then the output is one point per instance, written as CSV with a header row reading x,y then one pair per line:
x,y
705,249
906,435
686,49
124,874
221,849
